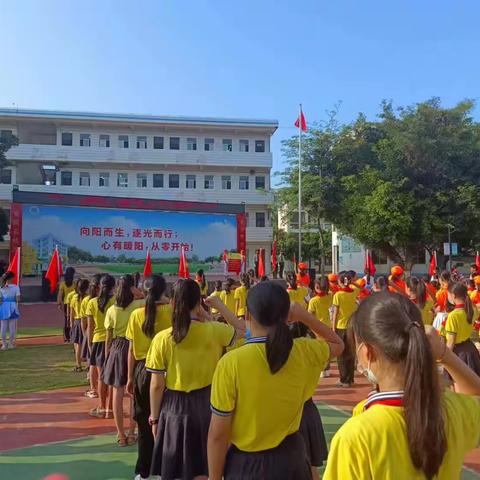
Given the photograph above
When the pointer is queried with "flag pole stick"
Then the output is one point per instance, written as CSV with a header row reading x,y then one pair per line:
x,y
300,185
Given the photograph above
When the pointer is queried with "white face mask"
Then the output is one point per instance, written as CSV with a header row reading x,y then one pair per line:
x,y
366,372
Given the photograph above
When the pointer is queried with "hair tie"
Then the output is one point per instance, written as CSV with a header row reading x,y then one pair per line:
x,y
411,325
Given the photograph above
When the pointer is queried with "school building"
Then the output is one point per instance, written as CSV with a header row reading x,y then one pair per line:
x,y
194,160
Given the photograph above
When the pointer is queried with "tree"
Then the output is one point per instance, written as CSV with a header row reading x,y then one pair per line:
x,y
6,142
395,184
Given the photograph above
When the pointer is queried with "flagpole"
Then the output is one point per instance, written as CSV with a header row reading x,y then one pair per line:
x,y
300,184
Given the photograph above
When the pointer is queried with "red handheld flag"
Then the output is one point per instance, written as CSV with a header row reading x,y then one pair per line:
x,y
369,265
183,270
54,271
261,263
147,269
14,266
477,260
301,122
433,265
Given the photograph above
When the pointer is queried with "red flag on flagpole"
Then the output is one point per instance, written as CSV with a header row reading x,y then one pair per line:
x,y
477,260
147,269
261,263
433,264
369,265
301,122
183,271
274,256
54,271
14,267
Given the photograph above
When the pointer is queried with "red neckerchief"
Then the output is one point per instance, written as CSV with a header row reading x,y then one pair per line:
x,y
346,289
321,294
391,399
459,306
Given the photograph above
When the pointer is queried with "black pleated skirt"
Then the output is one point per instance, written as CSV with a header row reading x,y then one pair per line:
x,y
468,353
311,429
115,373
76,335
180,450
288,461
97,355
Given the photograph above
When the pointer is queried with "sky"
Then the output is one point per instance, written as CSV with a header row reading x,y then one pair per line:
x,y
248,58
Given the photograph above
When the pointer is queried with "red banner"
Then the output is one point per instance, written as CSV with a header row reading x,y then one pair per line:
x,y
15,228
241,233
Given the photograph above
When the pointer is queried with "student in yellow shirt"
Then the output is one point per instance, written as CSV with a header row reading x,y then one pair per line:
x,y
182,361
143,325
409,428
216,293
241,296
66,286
297,293
459,326
97,334
228,295
68,301
76,333
251,437
116,352
417,292
202,283
344,305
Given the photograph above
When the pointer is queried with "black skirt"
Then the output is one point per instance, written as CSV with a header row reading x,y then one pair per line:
x,y
468,353
180,450
115,373
311,429
76,335
97,355
287,461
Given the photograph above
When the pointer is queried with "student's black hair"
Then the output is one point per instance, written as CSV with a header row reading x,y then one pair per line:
x,y
459,290
417,287
218,285
245,279
201,275
154,287
322,284
382,283
352,274
474,265
68,276
345,279
136,279
229,284
291,279
8,275
445,276
124,296
107,284
82,287
264,278
251,272
269,304
94,284
392,324
186,297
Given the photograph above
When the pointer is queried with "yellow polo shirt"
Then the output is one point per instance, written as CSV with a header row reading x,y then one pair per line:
x,y
347,305
241,297
228,299
373,444
457,324
426,311
320,307
66,290
69,297
140,341
83,306
117,318
189,365
298,295
75,304
266,407
99,333
216,293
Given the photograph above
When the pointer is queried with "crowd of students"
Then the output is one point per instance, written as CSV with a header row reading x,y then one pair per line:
x,y
220,383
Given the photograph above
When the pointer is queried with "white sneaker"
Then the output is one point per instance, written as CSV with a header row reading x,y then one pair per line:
x,y
11,346
4,347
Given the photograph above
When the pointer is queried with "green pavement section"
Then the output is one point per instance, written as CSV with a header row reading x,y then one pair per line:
x,y
99,458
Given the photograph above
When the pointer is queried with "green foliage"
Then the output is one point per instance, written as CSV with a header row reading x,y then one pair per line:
x,y
4,222
396,183
6,142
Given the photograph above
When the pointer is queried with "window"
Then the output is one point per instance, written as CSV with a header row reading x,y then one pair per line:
x,y
191,181
67,139
294,219
158,143
65,178
122,180
191,143
104,179
259,146
209,144
243,145
141,180
158,180
259,219
174,143
85,139
209,184
49,174
260,182
5,135
379,258
104,141
84,179
227,145
141,142
226,182
123,141
174,180
6,177
243,184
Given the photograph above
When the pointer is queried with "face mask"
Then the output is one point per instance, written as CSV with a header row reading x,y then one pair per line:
x,y
366,372
247,334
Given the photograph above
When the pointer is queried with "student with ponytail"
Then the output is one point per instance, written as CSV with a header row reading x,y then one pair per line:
x,y
97,334
418,294
228,295
66,287
459,326
297,293
241,296
182,360
409,428
202,283
127,299
143,325
252,434
76,333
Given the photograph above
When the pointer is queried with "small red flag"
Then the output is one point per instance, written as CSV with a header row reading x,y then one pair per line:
x,y
369,265
14,267
301,122
147,269
54,271
183,270
433,265
274,255
477,260
261,263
